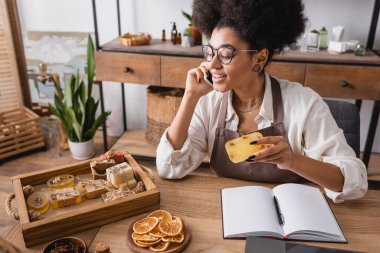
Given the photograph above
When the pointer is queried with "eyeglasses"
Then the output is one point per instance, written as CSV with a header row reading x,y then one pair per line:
x,y
224,53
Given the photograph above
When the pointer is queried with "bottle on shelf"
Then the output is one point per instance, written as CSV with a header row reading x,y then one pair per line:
x,y
163,36
322,43
179,39
174,33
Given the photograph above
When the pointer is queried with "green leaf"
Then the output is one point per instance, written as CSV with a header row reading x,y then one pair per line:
x,y
82,90
90,65
187,16
54,111
58,88
79,108
72,137
75,81
91,108
64,121
98,122
59,106
76,126
68,96
74,89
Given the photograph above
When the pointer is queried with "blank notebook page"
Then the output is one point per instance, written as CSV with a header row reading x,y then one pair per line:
x,y
248,209
305,208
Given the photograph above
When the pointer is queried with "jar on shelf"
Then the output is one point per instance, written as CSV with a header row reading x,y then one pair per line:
x,y
322,43
359,50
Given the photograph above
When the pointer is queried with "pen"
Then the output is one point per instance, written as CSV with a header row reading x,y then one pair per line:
x,y
279,214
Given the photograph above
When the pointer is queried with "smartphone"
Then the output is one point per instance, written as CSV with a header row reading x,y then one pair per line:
x,y
208,78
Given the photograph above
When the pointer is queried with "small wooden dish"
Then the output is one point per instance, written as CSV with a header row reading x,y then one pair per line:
x,y
173,248
141,39
74,241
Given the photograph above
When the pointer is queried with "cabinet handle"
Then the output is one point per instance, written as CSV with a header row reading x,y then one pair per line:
x,y
344,84
128,70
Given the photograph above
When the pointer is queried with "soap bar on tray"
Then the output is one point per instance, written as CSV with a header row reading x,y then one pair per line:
x,y
119,173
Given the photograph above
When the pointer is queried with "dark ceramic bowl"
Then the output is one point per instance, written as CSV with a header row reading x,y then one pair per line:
x,y
66,244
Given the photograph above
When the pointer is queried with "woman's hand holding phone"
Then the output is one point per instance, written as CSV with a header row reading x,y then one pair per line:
x,y
196,83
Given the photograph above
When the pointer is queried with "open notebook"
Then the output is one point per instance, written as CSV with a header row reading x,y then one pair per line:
x,y
290,211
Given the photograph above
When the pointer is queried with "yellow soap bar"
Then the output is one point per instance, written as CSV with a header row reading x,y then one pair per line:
x,y
65,197
39,202
239,149
61,181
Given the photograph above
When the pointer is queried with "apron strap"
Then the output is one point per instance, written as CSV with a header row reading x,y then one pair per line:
x,y
223,110
278,110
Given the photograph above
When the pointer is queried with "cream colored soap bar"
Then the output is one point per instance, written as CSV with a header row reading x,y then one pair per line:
x,y
239,149
129,185
132,183
119,173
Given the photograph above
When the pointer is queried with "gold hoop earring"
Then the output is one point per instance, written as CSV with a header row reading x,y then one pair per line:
x,y
257,68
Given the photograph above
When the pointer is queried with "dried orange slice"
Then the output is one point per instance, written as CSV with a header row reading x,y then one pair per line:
x,y
146,243
161,246
161,215
140,245
143,237
170,228
176,219
178,238
145,225
157,233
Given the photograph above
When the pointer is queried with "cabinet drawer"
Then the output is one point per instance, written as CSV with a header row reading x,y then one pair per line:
x,y
294,72
339,81
174,70
127,68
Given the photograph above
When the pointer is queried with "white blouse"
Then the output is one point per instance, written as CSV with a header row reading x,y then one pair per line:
x,y
311,129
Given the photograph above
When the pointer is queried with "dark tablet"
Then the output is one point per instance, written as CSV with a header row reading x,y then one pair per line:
x,y
265,245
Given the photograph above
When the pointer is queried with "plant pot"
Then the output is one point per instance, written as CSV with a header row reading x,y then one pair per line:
x,y
197,36
187,41
82,150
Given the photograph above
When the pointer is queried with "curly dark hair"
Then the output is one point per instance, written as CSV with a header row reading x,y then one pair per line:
x,y
271,24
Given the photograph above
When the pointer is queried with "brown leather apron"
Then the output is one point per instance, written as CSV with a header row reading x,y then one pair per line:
x,y
264,172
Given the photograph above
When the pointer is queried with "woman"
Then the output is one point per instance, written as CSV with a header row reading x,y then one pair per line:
x,y
302,136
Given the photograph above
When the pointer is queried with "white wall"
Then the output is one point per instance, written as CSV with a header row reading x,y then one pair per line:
x,y
154,15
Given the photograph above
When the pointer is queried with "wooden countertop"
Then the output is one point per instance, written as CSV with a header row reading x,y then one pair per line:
x,y
196,199
157,47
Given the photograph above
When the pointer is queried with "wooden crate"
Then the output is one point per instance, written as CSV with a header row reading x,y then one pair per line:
x,y
20,128
10,88
81,217
20,131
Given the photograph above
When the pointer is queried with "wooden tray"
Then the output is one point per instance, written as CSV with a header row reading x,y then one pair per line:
x,y
174,248
80,217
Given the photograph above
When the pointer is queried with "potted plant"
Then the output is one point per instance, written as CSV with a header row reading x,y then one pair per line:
x,y
187,40
76,108
195,33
